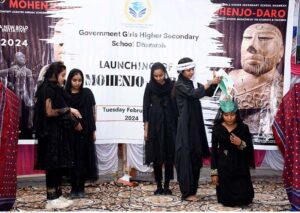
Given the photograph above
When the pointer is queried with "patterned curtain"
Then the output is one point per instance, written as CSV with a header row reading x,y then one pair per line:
x,y
9,125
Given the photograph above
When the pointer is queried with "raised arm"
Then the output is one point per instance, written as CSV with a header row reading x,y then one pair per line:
x,y
189,91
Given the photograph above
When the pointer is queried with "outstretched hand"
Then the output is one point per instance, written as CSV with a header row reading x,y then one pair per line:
x,y
216,79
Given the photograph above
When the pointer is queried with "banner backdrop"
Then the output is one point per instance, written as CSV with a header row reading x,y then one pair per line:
x,y
255,37
115,43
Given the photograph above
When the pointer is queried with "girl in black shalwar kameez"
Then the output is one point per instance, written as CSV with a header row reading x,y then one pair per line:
x,y
159,115
232,154
191,142
85,162
53,122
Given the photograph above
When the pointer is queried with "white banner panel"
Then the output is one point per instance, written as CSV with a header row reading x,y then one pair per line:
x,y
115,43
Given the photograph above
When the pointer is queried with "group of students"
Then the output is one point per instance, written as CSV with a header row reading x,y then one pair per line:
x,y
64,121
174,133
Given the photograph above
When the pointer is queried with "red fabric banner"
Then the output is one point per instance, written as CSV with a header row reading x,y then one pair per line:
x,y
9,108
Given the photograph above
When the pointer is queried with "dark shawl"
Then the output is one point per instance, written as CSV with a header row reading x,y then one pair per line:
x,y
191,141
85,159
52,133
235,186
84,101
159,109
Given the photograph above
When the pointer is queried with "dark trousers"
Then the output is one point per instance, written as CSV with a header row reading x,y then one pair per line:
x,y
169,172
78,180
53,183
188,176
78,171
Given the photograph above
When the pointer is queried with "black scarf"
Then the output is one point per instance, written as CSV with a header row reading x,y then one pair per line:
x,y
77,99
160,90
40,119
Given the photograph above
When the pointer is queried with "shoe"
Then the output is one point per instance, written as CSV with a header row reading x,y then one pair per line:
x,y
63,199
57,204
167,192
159,191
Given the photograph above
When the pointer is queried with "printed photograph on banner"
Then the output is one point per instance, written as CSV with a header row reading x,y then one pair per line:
x,y
31,39
22,54
254,36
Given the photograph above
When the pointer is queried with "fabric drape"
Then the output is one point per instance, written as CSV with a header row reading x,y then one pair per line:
x,y
9,125
286,129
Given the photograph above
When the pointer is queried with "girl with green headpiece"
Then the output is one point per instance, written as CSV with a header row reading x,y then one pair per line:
x,y
231,157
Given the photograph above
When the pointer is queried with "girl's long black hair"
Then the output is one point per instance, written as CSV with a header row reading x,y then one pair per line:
x,y
185,60
54,69
157,66
72,73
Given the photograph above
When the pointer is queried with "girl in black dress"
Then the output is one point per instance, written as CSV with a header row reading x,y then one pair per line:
x,y
232,154
159,115
191,142
85,162
53,122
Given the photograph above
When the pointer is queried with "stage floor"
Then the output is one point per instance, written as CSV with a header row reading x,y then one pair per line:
x,y
106,195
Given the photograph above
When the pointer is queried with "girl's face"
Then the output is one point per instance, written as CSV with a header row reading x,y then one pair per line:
x,y
159,76
76,81
188,73
61,77
229,118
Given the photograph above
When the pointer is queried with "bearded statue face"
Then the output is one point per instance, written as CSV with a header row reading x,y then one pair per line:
x,y
262,48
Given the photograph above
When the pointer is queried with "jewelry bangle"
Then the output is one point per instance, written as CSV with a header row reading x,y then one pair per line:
x,y
243,145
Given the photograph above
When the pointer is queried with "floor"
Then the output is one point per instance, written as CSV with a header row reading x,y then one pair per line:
x,y
108,195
